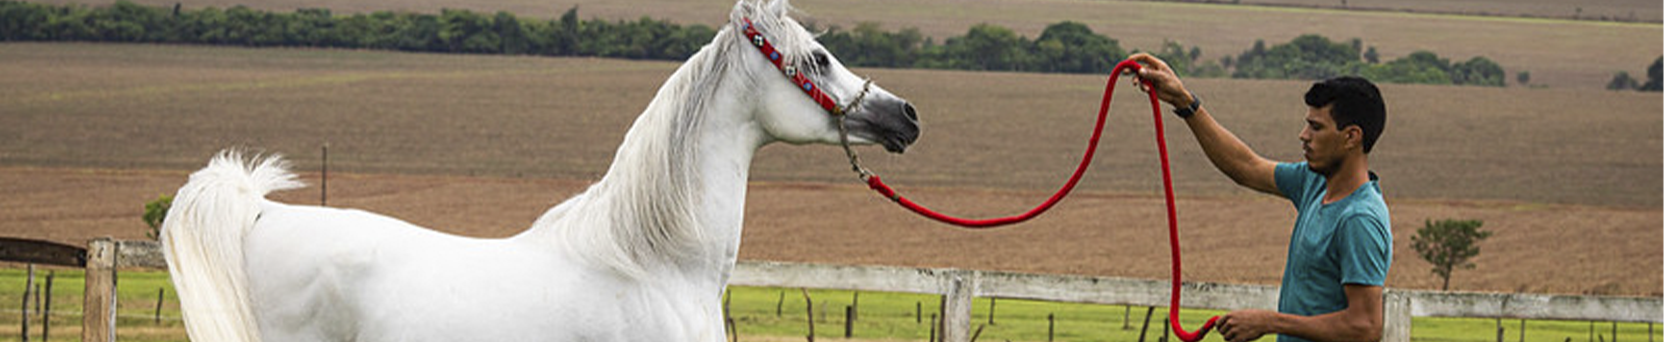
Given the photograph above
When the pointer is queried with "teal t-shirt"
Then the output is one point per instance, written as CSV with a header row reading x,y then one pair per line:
x,y
1346,242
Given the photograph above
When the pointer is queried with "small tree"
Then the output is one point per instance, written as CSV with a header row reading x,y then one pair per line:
x,y
1655,76
1621,81
1449,244
154,212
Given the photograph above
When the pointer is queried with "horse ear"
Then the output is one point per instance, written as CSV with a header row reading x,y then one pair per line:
x,y
759,9
778,8
741,10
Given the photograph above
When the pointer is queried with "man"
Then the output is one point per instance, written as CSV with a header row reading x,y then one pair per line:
x,y
1341,247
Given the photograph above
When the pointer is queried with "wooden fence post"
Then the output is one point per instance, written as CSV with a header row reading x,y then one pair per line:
x,y
1051,326
98,322
934,326
855,304
1126,318
810,304
1150,311
46,310
991,302
28,285
1395,325
160,292
1166,330
1499,330
849,321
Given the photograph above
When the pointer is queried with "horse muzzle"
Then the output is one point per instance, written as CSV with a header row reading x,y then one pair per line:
x,y
885,120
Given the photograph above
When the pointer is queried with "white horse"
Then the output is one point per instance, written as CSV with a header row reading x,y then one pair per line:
x,y
642,255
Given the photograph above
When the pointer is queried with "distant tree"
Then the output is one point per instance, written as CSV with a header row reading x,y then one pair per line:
x,y
564,34
1306,57
1621,81
1448,245
1188,61
23,20
1524,78
868,45
1072,47
1478,71
466,31
1371,56
154,212
1420,67
987,47
1655,76
511,34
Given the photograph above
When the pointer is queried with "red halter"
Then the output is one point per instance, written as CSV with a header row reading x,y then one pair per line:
x,y
791,72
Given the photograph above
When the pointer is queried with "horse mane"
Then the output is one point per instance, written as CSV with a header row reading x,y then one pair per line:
x,y
642,214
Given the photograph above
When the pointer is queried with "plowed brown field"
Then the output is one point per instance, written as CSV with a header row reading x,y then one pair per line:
x,y
480,146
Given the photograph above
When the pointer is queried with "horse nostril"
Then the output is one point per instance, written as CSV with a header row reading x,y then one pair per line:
x,y
908,108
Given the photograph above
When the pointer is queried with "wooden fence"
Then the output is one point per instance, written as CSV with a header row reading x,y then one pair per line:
x,y
104,256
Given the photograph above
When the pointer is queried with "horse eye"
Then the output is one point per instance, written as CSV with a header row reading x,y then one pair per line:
x,y
822,60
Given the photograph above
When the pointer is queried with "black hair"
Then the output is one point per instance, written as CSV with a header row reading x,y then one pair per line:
x,y
1356,102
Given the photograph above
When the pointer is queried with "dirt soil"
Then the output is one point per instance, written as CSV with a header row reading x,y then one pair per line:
x,y
1539,248
90,132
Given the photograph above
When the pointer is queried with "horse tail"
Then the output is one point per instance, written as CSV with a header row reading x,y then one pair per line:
x,y
202,238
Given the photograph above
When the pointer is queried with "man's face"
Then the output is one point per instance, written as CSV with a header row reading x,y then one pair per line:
x,y
1324,144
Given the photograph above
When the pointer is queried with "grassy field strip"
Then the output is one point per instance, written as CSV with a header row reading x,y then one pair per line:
x,y
887,316
1023,320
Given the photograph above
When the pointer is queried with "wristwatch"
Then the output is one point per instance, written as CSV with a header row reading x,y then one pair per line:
x,y
1186,112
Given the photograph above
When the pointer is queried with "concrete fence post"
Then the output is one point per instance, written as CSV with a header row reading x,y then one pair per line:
x,y
956,308
1395,325
98,320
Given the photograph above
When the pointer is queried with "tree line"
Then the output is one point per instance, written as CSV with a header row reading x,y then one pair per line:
x,y
450,31
1064,47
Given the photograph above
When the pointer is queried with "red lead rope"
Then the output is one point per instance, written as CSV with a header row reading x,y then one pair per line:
x,y
1091,148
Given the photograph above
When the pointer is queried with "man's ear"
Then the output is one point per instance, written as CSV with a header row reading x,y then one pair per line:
x,y
1354,136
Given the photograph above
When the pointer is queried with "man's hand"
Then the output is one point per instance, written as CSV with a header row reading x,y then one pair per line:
x,y
1246,325
1167,85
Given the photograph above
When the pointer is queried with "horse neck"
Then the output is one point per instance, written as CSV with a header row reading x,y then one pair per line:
x,y
674,198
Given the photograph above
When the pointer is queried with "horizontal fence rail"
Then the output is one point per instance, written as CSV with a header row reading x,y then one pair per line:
x,y
958,287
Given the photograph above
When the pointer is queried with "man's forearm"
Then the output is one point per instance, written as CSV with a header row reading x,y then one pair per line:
x,y
1229,153
1334,326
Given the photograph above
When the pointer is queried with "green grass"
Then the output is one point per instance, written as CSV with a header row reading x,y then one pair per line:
x,y
135,293
882,316
908,316
892,316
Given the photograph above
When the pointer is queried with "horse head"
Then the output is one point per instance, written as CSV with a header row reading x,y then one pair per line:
x,y
805,91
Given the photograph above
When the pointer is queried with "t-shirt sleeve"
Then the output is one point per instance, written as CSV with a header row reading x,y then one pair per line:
x,y
1291,179
1365,250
